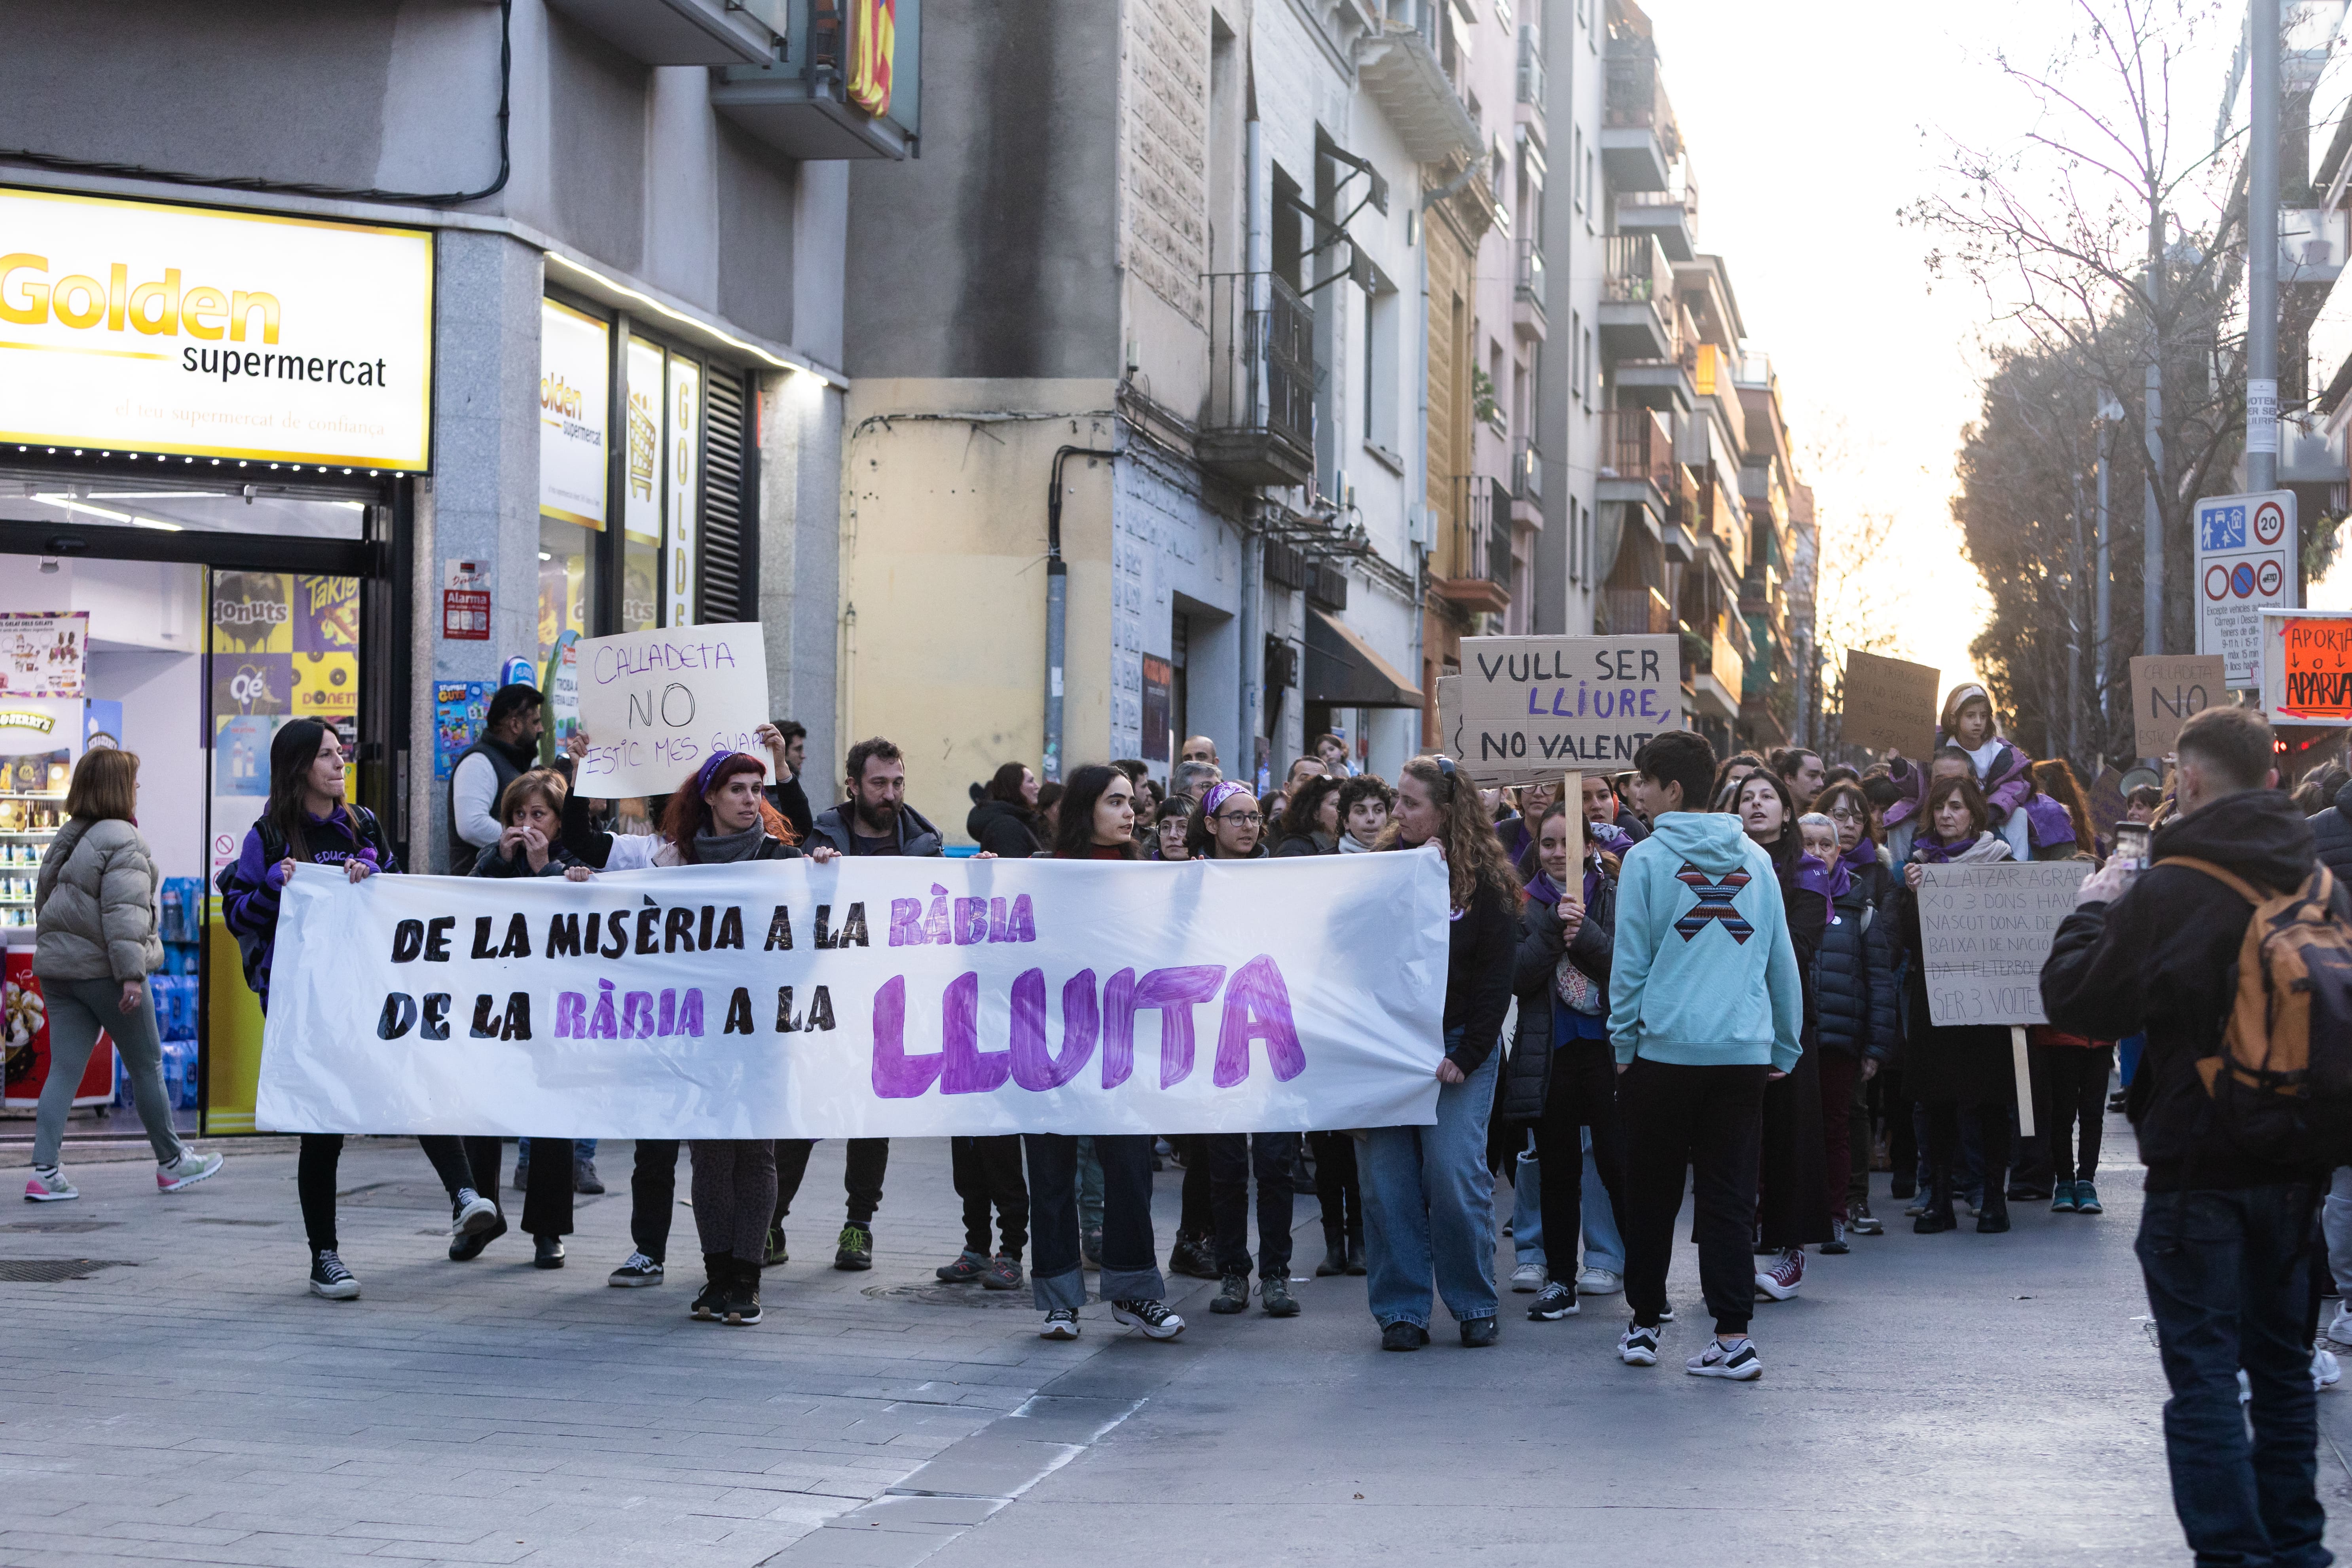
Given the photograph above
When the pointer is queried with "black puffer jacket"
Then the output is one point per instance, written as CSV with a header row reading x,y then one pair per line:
x,y
1527,1076
2333,829
1003,829
1854,970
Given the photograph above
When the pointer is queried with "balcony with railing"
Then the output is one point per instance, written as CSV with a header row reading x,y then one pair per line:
x,y
1472,568
1638,611
1526,471
1531,71
1406,67
1637,285
1639,141
1714,670
1260,425
1637,450
1670,212
1528,298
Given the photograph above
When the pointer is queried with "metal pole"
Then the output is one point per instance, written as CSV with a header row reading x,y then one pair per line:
x,y
2099,592
2261,251
2152,586
1057,606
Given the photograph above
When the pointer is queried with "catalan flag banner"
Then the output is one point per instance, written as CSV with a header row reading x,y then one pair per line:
x,y
873,45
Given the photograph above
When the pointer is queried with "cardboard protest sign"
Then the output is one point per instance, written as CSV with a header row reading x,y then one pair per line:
x,y
655,704
1532,707
866,997
1890,703
1984,932
2166,689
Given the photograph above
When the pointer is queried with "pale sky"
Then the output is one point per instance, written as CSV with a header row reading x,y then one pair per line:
x,y
1810,127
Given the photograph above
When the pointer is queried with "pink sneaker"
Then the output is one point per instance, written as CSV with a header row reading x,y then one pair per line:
x,y
49,1186
1782,1279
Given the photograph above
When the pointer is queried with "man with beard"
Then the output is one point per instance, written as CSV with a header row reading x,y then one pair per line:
x,y
874,820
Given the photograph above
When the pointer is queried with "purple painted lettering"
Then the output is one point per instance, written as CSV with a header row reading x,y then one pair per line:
x,y
1034,1067
897,1074
1175,992
1258,1008
968,1069
905,922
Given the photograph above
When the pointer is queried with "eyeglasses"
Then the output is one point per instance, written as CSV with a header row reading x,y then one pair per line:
x,y
1847,814
1240,819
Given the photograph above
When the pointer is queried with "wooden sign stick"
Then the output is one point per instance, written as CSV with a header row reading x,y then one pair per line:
x,y
2025,1080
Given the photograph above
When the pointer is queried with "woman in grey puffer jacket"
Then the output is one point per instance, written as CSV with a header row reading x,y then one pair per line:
x,y
96,945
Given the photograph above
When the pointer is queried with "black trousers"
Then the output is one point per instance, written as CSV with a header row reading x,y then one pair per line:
x,y
1336,1187
1992,1121
547,1194
1707,1121
869,1159
1233,1158
1582,1093
2073,1092
988,1175
322,1156
1129,1268
1196,1216
652,1196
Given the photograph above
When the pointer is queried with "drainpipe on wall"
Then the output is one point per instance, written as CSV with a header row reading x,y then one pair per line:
x,y
1057,607
1256,259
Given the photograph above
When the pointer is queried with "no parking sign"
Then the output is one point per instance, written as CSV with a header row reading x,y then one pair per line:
x,y
2245,563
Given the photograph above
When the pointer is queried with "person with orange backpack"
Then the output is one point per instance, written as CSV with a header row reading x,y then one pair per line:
x,y
2233,951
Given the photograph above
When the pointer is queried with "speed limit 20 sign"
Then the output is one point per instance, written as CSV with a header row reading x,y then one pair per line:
x,y
2245,562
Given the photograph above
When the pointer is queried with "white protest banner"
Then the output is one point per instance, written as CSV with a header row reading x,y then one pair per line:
x,y
655,704
1984,932
862,998
1533,707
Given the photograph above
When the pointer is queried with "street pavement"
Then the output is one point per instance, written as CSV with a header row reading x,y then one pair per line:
x,y
1950,1400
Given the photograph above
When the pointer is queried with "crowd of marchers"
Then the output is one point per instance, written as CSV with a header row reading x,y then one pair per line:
x,y
1703,976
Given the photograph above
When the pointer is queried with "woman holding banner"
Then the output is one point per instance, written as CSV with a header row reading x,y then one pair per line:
x,y
1429,1206
1953,1069
1098,822
715,818
306,821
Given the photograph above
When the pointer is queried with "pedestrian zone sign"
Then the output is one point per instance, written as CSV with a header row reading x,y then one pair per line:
x,y
2245,563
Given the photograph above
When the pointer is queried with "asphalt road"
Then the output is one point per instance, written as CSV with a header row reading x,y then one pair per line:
x,y
1952,1399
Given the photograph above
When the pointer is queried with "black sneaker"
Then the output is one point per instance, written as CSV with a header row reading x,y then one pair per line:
x,y
1061,1323
1152,1317
1639,1346
1274,1295
584,1178
775,1252
547,1253
465,1247
1403,1336
855,1250
966,1270
1836,1246
1189,1257
638,1272
1553,1302
329,1279
1233,1295
742,1305
1480,1332
710,1302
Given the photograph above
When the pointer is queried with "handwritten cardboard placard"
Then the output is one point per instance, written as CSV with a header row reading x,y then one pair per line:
x,y
655,704
1890,703
2318,668
2166,689
1532,708
1984,932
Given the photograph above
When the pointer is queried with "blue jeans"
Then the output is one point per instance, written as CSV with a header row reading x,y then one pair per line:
x,y
1429,1207
2229,1284
1527,1208
1603,1247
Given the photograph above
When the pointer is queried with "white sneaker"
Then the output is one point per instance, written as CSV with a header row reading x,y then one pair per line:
x,y
49,1186
186,1171
472,1213
1737,1361
2339,1329
2324,1372
1529,1277
1638,1346
1599,1282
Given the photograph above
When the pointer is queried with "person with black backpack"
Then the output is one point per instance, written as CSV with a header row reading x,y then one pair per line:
x,y
2234,1179
306,820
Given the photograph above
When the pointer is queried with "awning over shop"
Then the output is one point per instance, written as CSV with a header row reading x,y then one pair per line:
x,y
1343,670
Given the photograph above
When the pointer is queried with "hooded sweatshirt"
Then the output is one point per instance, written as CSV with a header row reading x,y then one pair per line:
x,y
1703,973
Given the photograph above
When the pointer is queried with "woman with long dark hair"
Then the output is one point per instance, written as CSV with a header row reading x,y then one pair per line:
x,y
1957,1071
1429,1204
306,821
1792,1210
1003,819
1098,822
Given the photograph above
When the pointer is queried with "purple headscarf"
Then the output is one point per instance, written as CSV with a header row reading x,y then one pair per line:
x,y
1219,793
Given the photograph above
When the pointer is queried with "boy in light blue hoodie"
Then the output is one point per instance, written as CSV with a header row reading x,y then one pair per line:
x,y
1704,1007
